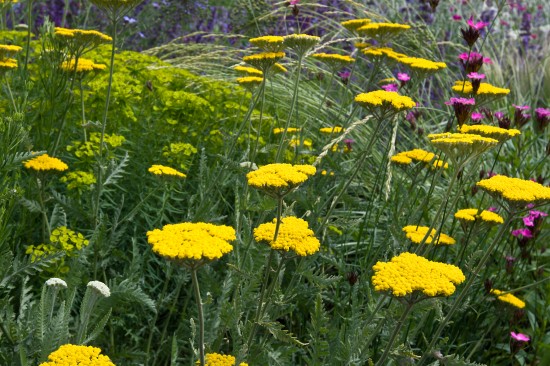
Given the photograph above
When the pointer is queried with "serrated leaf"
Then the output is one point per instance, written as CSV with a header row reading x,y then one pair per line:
x,y
281,334
31,205
98,328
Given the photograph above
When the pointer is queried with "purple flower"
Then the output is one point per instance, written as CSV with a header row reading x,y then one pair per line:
x,y
344,75
520,118
294,2
462,108
390,87
542,117
349,143
457,17
403,76
476,116
492,209
476,76
461,101
155,5
521,107
525,233
541,112
499,115
473,61
477,26
520,337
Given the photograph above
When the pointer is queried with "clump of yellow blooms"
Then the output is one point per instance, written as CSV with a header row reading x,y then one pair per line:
x,y
419,155
268,43
45,162
78,180
61,239
385,99
300,43
78,40
409,272
515,190
307,143
83,65
250,81
279,130
263,61
471,215
192,244
294,234
421,64
465,87
508,298
382,51
248,71
417,233
461,146
497,133
331,130
7,51
215,359
334,60
353,24
72,355
277,67
382,31
8,64
165,170
279,179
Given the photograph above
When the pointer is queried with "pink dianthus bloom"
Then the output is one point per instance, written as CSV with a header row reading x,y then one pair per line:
x,y
520,337
476,76
526,233
390,87
403,76
478,25
476,116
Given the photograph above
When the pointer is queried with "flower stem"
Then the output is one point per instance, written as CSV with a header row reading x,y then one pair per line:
x,y
394,334
201,316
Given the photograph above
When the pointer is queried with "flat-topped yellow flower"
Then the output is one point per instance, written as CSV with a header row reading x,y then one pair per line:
x,y
382,32
334,60
301,43
418,155
509,299
461,147
278,130
8,64
45,162
417,233
268,43
81,40
263,61
473,214
248,71
83,65
385,100
7,51
192,244
294,234
485,89
70,354
249,81
383,51
408,272
279,179
165,170
421,64
497,133
515,190
277,67
331,130
353,24
216,359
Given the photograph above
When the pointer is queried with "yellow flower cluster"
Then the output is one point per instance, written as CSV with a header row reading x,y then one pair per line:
x,y
353,24
296,142
265,60
68,239
421,64
279,130
7,51
8,64
465,87
78,180
72,355
334,60
269,43
417,233
508,298
78,40
382,51
459,146
165,170
516,190
408,272
279,179
331,130
84,65
248,71
497,133
294,234
301,43
250,81
382,31
188,242
277,67
215,359
471,214
385,99
45,162
407,157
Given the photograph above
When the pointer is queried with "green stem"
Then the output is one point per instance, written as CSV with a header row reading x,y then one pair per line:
x,y
394,334
27,51
10,94
201,316
66,111
259,131
82,109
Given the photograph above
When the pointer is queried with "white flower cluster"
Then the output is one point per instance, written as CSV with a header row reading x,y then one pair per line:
x,y
56,282
100,287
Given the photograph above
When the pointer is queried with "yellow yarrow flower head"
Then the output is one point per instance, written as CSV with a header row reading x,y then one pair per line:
x,y
291,130
417,233
333,60
486,92
408,272
277,180
470,215
420,66
70,354
8,51
382,32
382,52
8,64
162,170
79,41
45,162
497,133
192,244
294,234
307,143
419,155
301,43
384,101
277,67
516,191
462,147
263,61
509,299
248,71
250,82
331,130
269,43
216,359
82,66
353,24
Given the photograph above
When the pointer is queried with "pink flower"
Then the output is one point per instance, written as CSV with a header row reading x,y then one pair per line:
x,y
520,337
403,76
526,233
492,209
521,107
461,101
294,2
456,17
476,116
499,115
478,25
390,87
476,76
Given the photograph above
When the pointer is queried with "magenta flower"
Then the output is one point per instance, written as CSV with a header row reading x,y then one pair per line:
x,y
294,2
477,26
403,76
533,216
349,143
524,233
520,337
476,116
492,209
521,107
462,108
390,87
461,101
476,76
542,117
457,17
539,112
499,115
